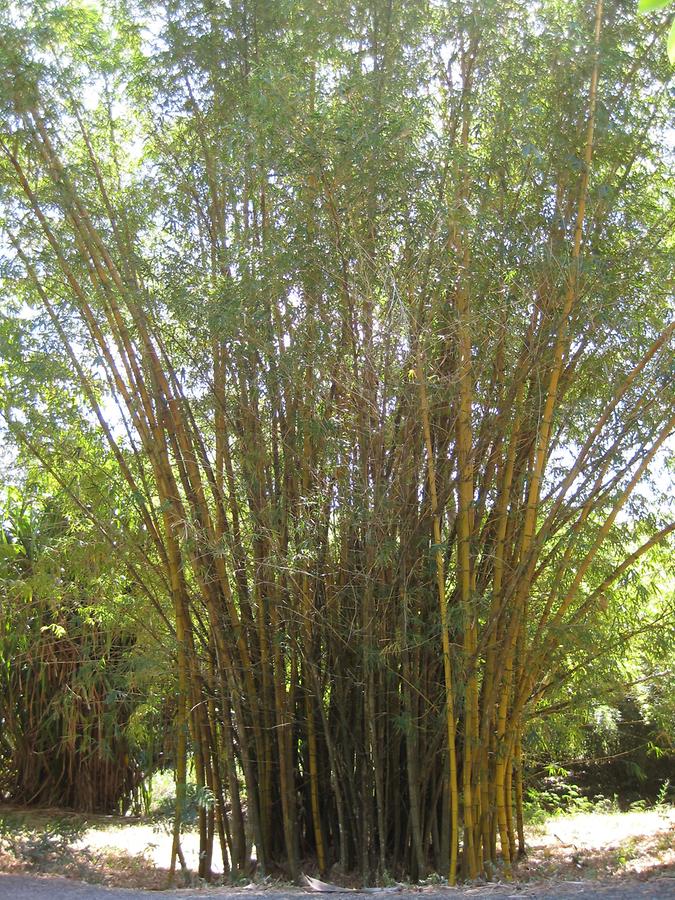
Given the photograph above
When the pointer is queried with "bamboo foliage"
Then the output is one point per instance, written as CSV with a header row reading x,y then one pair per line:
x,y
361,345
67,696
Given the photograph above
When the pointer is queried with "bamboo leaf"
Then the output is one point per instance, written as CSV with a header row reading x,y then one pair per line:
x,y
645,6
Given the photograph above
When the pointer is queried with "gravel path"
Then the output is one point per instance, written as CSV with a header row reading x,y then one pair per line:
x,y
27,887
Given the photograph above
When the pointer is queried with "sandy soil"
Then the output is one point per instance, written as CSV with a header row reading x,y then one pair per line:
x,y
604,844
150,843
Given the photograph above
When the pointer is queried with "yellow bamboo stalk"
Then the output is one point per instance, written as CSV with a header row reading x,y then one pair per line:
x,y
445,637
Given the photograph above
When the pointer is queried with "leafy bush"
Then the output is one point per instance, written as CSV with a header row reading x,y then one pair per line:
x,y
559,796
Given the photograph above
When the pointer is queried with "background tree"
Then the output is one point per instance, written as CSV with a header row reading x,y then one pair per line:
x,y
75,677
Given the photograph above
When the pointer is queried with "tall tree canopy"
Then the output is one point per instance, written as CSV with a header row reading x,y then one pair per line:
x,y
368,304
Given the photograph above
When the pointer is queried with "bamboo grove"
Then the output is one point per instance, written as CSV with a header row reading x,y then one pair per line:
x,y
367,303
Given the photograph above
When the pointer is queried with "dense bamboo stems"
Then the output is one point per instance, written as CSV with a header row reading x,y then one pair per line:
x,y
518,763
240,855
465,573
465,468
181,746
490,727
312,748
445,636
284,736
308,465
410,677
222,825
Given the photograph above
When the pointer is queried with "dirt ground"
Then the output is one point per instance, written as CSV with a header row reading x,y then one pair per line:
x,y
28,887
599,845
600,849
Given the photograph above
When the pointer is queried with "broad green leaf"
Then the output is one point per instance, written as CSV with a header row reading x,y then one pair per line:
x,y
645,6
671,43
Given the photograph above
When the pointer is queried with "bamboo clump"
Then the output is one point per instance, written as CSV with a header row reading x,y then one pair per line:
x,y
344,466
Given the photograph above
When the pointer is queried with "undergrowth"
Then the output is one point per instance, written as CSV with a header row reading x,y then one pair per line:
x,y
559,797
42,848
